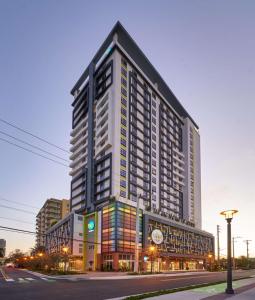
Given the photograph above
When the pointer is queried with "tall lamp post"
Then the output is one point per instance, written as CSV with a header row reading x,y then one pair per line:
x,y
228,214
210,261
152,249
65,250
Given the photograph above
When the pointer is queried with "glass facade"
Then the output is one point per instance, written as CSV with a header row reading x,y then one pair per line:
x,y
119,228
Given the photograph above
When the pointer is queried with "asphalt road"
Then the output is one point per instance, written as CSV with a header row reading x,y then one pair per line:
x,y
40,289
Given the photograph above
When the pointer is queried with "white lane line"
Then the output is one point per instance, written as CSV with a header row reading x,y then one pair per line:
x,y
9,279
29,278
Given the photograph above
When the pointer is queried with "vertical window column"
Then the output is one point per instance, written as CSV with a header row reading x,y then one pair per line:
x,y
123,131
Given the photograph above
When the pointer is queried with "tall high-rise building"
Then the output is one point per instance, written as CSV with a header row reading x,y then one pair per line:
x,y
52,211
131,138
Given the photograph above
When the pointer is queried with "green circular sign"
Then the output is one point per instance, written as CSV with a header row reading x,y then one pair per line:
x,y
91,225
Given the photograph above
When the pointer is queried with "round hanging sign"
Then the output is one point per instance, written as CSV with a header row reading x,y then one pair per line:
x,y
157,236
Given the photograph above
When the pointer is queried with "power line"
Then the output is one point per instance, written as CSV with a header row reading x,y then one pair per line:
x,y
33,146
33,135
16,220
28,150
16,202
18,209
22,231
44,234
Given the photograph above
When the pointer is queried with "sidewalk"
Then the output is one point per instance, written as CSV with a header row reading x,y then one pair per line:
x,y
244,289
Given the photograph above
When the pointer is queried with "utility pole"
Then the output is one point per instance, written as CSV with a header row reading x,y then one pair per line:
x,y
136,266
233,243
218,244
247,249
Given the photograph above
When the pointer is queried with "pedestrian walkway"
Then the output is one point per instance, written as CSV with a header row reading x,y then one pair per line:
x,y
244,289
24,280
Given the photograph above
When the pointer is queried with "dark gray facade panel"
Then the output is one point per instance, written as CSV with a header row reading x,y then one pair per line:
x,y
130,46
90,165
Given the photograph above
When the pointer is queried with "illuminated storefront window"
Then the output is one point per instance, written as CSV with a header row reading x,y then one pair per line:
x,y
119,228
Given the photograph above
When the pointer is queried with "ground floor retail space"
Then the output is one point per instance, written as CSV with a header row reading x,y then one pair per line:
x,y
125,262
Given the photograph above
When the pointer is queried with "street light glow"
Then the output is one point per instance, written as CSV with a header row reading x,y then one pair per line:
x,y
65,249
152,248
228,214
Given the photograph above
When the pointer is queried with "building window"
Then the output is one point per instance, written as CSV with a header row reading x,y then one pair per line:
x,y
123,131
123,81
123,142
123,183
123,152
123,194
123,101
123,111
123,162
123,91
123,72
123,122
122,173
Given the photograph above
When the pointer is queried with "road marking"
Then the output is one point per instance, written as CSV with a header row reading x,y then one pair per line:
x,y
46,279
9,279
22,280
30,279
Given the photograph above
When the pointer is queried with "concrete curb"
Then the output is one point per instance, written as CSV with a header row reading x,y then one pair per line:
x,y
126,277
122,277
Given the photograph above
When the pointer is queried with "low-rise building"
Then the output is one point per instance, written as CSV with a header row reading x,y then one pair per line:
x,y
52,211
66,237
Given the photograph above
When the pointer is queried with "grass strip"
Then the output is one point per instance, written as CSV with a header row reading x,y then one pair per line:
x,y
175,290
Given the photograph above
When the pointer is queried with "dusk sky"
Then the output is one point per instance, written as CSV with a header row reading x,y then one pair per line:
x,y
204,50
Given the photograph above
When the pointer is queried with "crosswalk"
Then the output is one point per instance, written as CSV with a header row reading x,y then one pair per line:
x,y
26,280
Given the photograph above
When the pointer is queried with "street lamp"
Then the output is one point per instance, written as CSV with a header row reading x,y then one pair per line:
x,y
65,250
40,254
152,249
228,214
210,261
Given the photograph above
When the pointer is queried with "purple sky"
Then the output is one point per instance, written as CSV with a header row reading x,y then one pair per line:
x,y
203,49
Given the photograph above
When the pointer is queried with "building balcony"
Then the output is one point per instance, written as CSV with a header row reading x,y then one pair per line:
x,y
79,159
82,148
78,127
81,133
77,169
